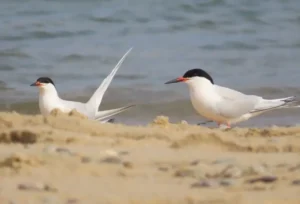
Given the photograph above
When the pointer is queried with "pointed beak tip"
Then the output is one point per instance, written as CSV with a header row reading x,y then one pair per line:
x,y
179,79
35,84
172,81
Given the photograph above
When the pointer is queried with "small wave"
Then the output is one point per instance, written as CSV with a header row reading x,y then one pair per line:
x,y
23,107
34,13
174,18
190,8
3,86
119,17
46,35
13,53
142,19
5,67
210,3
77,57
203,24
274,91
206,24
295,45
200,7
106,19
78,76
240,46
130,77
73,57
231,45
233,61
11,38
251,16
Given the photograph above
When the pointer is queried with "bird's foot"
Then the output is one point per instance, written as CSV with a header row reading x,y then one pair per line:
x,y
224,126
112,120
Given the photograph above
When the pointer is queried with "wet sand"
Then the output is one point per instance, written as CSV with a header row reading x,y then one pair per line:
x,y
70,159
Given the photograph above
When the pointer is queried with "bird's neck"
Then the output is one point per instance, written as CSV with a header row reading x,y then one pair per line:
x,y
200,86
49,93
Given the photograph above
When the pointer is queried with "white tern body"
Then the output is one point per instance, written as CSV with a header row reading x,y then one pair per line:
x,y
49,99
227,106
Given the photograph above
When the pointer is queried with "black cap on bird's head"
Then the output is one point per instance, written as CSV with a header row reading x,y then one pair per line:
x,y
190,74
43,81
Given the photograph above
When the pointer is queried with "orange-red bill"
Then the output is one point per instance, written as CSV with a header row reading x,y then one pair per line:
x,y
37,83
179,79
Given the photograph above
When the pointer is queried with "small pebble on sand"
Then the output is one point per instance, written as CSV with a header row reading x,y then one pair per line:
x,y
111,153
72,201
231,171
49,200
227,182
263,179
259,170
36,187
295,168
224,161
296,182
163,168
205,184
86,159
50,149
63,150
111,160
195,162
128,165
184,173
123,153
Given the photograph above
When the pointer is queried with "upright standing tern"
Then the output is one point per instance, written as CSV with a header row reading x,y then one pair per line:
x,y
224,105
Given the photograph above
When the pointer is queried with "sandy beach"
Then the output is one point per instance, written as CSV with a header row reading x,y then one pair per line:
x,y
149,155
70,159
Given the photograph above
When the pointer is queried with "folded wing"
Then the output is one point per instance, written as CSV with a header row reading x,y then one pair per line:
x,y
235,108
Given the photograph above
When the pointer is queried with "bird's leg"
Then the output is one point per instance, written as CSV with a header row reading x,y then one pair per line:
x,y
226,125
112,120
205,122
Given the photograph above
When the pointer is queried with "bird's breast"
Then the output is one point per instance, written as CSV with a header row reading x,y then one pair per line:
x,y
47,104
205,104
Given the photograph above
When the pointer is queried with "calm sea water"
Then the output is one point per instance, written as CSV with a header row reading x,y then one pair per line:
x,y
249,45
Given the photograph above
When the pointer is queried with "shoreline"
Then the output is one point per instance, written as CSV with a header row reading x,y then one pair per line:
x,y
66,158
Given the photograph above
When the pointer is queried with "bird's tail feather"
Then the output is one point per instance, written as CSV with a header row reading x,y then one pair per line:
x,y
287,102
104,115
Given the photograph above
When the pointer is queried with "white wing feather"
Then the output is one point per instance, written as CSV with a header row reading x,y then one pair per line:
x,y
103,115
235,103
96,98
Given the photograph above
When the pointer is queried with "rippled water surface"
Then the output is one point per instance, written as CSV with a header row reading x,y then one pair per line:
x,y
250,45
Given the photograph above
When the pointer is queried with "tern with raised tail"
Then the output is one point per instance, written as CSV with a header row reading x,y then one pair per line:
x,y
223,105
50,100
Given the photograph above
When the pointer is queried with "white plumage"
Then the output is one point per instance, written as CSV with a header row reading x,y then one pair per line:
x,y
49,98
224,105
